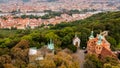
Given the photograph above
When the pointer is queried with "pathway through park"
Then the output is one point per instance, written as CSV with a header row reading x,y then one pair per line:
x,y
81,56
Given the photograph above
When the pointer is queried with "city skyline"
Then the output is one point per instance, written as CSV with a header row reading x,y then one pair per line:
x,y
57,5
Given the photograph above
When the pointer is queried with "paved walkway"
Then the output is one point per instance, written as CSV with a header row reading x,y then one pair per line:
x,y
80,54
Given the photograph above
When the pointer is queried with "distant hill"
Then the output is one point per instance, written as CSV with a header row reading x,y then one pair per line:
x,y
90,1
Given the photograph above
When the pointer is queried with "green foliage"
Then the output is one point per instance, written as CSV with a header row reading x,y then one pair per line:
x,y
64,32
74,11
72,48
111,60
107,66
27,37
118,46
4,51
92,62
112,42
29,16
50,14
51,35
15,42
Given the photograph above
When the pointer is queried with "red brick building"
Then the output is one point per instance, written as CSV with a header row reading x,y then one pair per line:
x,y
99,45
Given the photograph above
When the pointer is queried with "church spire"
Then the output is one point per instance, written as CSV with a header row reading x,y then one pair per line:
x,y
100,37
91,36
51,45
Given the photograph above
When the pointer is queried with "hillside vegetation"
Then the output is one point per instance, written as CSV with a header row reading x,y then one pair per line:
x,y
14,42
64,32
109,21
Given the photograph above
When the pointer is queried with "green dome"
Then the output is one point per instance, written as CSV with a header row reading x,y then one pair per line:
x,y
91,36
100,37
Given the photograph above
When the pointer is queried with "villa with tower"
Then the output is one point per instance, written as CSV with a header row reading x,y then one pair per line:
x,y
39,54
99,45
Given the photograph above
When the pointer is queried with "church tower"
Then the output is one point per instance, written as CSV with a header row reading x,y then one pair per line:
x,y
98,47
50,46
91,36
91,44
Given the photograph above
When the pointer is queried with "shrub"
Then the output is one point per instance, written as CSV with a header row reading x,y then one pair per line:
x,y
72,48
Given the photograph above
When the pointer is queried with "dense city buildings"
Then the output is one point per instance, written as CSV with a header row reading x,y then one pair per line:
x,y
58,5
9,21
11,8
55,34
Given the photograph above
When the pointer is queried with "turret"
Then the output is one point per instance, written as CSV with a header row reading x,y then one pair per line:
x,y
98,47
51,45
100,37
91,36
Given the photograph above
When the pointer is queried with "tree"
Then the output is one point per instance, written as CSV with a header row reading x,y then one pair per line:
x,y
54,37
31,66
5,59
107,66
20,51
6,43
112,42
23,44
72,48
51,35
4,51
23,16
93,61
62,66
27,37
19,63
111,60
47,64
9,66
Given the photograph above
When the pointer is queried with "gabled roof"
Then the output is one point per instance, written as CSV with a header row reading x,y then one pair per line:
x,y
105,53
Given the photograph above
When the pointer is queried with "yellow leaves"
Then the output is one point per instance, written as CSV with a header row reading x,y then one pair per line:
x,y
23,44
60,60
9,66
64,55
47,64
64,60
62,66
5,59
31,66
108,65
